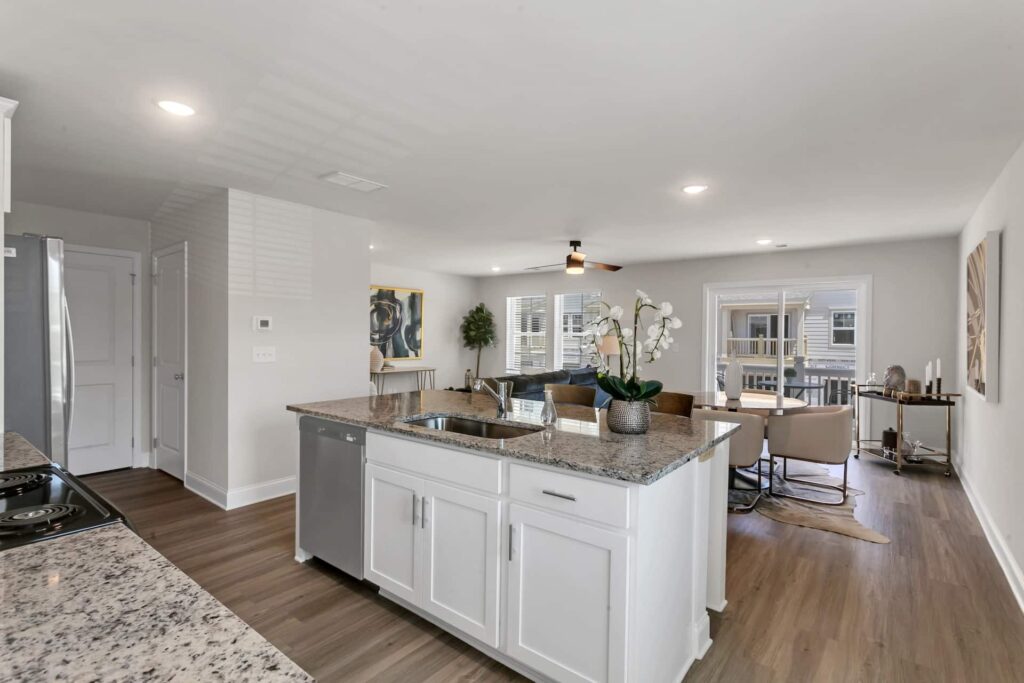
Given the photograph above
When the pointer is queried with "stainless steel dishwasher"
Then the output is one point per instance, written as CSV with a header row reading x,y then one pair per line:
x,y
331,457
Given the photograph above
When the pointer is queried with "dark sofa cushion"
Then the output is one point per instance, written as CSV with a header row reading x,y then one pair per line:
x,y
531,387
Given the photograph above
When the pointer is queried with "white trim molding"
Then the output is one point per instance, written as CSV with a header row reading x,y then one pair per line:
x,y
203,487
257,493
1004,556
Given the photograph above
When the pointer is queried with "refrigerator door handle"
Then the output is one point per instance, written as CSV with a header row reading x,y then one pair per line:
x,y
70,394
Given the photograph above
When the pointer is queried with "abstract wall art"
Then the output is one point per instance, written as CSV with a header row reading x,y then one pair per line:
x,y
982,342
396,322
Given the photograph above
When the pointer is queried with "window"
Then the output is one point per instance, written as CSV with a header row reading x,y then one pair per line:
x,y
758,325
526,337
574,312
844,328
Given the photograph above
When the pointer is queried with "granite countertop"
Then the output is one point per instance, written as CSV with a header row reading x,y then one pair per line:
x,y
18,453
581,441
102,605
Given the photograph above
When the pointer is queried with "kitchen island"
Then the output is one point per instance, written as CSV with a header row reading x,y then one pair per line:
x,y
104,605
568,554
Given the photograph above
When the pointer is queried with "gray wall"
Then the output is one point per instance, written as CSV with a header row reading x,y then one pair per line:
x,y
991,466
446,298
913,303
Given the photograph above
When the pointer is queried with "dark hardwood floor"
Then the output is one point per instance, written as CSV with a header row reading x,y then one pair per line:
x,y
804,605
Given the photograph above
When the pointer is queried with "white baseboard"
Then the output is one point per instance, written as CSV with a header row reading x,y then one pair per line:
x,y
207,489
255,493
1004,556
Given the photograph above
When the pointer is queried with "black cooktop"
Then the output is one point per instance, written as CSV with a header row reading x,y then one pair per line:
x,y
38,503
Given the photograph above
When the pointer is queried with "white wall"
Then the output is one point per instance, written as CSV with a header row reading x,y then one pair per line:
x,y
310,270
109,232
914,294
204,226
991,467
446,299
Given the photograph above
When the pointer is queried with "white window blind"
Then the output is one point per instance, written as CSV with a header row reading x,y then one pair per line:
x,y
573,312
526,334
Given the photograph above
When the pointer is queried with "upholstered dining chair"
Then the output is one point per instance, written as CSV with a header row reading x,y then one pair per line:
x,y
676,404
821,434
572,393
745,446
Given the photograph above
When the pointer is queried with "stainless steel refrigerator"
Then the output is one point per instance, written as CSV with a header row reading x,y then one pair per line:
x,y
39,365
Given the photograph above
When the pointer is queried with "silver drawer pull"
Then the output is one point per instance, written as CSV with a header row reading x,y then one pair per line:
x,y
556,494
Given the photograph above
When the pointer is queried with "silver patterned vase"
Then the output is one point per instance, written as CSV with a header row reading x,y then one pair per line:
x,y
629,417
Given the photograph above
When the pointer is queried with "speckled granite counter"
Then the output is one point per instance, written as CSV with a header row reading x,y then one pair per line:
x,y
18,453
581,442
102,605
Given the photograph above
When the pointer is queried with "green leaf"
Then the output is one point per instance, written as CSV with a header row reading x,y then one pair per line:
x,y
649,390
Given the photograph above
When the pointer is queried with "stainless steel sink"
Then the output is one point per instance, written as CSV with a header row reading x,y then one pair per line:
x,y
471,427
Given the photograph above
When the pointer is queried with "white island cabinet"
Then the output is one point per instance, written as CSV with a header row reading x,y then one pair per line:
x,y
560,575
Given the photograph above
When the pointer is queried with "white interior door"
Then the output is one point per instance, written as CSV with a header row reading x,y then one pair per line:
x,y
100,303
170,312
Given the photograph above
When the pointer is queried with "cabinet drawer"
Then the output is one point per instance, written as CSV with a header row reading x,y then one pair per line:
x,y
599,501
466,469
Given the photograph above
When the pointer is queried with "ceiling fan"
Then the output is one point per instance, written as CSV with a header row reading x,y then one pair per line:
x,y
576,261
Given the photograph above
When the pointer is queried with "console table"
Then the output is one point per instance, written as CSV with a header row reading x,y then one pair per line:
x,y
903,400
424,376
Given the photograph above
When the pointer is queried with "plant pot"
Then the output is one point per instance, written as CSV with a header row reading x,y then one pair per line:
x,y
629,417
734,379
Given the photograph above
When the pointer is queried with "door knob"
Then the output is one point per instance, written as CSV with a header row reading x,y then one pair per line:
x,y
179,375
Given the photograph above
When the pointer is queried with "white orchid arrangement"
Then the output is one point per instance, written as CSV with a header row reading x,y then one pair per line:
x,y
628,386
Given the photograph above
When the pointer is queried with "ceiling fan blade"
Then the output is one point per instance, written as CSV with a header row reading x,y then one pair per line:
x,y
550,265
603,266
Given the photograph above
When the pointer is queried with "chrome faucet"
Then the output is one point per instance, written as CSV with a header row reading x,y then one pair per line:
x,y
503,396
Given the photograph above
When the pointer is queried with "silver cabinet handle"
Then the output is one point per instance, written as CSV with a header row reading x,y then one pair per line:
x,y
414,496
179,376
556,494
510,527
423,512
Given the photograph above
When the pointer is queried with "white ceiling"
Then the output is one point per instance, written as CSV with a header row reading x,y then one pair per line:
x,y
505,128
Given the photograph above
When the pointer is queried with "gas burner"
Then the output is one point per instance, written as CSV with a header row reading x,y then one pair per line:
x,y
37,518
17,483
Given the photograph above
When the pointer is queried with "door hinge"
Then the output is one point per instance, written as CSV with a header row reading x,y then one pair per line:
x,y
133,442
133,279
133,360
154,361
156,442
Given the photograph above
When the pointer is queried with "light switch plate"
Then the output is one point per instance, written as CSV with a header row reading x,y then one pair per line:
x,y
264,354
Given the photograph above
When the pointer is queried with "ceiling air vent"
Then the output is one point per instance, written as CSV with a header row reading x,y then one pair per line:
x,y
352,182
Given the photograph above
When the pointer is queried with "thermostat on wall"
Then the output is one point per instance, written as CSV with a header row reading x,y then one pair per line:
x,y
262,323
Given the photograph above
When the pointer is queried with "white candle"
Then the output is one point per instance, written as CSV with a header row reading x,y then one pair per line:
x,y
928,373
938,368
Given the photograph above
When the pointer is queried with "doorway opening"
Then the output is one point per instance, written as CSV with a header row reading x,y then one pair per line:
x,y
821,346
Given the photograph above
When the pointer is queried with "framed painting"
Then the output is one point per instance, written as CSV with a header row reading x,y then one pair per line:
x,y
396,322
983,317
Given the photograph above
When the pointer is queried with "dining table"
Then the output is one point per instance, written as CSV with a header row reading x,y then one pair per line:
x,y
794,388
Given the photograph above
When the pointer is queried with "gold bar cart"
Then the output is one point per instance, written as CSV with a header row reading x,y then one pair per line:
x,y
902,399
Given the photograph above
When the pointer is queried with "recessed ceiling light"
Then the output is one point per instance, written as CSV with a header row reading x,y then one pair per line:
x,y
371,247
495,269
352,182
176,108
694,189
764,242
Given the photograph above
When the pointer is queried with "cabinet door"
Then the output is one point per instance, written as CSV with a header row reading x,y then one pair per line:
x,y
461,555
567,597
392,535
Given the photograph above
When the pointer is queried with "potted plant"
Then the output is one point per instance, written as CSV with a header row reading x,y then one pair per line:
x,y
629,411
478,331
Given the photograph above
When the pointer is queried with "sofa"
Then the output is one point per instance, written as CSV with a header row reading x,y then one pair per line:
x,y
531,387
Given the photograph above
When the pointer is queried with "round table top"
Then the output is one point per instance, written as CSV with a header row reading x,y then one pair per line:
x,y
748,400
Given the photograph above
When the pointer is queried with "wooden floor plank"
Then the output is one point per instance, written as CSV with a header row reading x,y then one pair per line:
x,y
804,605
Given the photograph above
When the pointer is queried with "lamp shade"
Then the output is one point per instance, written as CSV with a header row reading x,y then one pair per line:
x,y
609,345
574,263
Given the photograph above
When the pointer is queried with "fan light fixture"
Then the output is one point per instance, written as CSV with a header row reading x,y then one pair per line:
x,y
574,261
176,108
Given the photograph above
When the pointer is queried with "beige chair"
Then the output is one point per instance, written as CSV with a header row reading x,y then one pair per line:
x,y
572,393
822,434
745,446
676,404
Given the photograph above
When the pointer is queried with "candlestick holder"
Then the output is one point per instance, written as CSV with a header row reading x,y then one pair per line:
x,y
928,388
938,385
